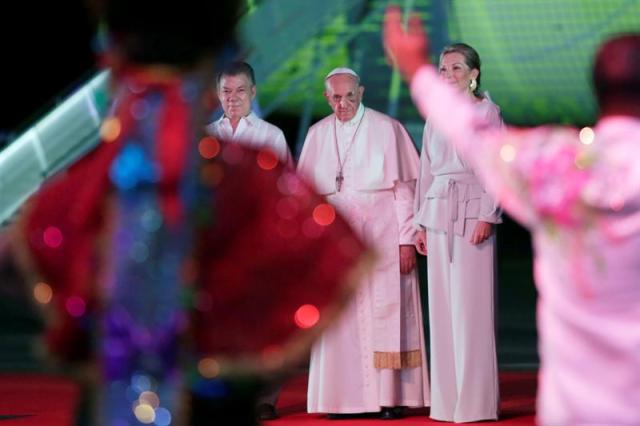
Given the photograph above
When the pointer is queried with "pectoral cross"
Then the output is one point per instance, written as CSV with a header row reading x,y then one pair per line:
x,y
339,179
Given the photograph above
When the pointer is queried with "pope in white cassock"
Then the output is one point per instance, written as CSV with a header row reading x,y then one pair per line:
x,y
373,358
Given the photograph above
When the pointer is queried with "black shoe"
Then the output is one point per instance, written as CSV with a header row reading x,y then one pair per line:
x,y
267,412
335,416
392,413
400,411
341,416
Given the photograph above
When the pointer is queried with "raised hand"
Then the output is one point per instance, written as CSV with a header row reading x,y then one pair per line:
x,y
405,49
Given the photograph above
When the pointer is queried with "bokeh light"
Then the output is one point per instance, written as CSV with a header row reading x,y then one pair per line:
x,y
75,306
307,316
139,252
208,368
208,147
267,160
145,413
132,167
583,160
110,129
587,135
288,183
43,293
163,417
149,398
324,214
52,237
140,383
151,220
508,153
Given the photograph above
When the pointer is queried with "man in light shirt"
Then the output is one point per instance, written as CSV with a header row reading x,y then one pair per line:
x,y
373,358
236,88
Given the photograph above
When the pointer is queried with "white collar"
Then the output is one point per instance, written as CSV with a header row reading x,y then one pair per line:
x,y
355,120
251,118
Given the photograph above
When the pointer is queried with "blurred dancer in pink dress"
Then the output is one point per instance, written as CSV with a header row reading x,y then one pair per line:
x,y
579,195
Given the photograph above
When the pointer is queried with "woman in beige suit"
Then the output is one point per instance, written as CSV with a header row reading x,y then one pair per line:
x,y
456,218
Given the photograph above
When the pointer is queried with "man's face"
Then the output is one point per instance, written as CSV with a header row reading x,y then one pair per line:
x,y
344,95
236,93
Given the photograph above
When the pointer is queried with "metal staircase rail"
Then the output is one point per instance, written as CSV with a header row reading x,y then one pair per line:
x,y
56,140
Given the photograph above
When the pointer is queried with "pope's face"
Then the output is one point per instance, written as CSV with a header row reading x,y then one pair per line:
x,y
456,72
344,95
236,93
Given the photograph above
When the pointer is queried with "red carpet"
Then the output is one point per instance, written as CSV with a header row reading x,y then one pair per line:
x,y
517,391
37,400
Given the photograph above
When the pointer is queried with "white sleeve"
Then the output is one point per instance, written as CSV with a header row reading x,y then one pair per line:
x,y
403,203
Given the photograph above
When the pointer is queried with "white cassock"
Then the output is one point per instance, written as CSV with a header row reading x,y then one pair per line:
x,y
374,355
254,132
580,198
461,280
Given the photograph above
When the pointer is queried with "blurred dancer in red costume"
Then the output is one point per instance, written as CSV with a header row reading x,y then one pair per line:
x,y
174,257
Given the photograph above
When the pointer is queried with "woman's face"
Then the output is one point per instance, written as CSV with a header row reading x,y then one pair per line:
x,y
456,72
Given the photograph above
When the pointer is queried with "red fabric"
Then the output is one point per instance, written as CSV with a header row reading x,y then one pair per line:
x,y
173,143
259,267
37,400
73,203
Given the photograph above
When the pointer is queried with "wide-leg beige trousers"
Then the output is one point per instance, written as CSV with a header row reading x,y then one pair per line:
x,y
464,373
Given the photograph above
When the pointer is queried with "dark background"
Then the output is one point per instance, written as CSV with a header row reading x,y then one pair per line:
x,y
46,51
